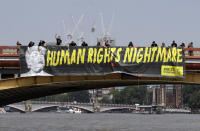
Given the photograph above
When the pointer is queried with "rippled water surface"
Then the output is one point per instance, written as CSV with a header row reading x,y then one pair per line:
x,y
98,122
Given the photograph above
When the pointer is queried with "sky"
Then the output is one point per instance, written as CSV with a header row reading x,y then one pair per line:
x,y
140,21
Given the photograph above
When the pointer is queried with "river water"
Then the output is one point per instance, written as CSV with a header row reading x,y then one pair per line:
x,y
98,122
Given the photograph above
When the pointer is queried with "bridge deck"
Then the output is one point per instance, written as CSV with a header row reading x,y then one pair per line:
x,y
19,89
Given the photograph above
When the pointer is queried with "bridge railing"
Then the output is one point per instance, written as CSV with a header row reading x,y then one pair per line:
x,y
78,103
12,51
192,52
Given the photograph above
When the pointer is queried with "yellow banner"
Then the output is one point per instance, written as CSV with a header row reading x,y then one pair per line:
x,y
167,70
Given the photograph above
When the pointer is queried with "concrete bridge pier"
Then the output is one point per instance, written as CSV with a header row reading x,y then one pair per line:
x,y
96,106
154,96
28,106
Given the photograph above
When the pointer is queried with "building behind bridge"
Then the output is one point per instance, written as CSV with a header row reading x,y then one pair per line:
x,y
168,95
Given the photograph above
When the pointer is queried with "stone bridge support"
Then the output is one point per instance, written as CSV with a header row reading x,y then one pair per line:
x,y
28,106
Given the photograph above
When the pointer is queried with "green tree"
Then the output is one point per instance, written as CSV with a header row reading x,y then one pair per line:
x,y
191,96
105,100
116,97
61,97
130,95
79,96
194,101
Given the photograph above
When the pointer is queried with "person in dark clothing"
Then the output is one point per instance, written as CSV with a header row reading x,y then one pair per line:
x,y
163,45
18,44
190,45
58,40
31,43
41,43
84,44
72,43
154,44
107,44
98,44
174,44
182,45
130,44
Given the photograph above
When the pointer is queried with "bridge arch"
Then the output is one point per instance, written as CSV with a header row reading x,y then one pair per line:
x,y
47,107
116,108
55,106
82,108
17,109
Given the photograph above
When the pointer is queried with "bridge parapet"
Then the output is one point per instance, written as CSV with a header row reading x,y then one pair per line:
x,y
39,105
78,103
192,52
192,59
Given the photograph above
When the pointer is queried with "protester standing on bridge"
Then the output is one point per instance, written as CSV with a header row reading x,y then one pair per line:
x,y
98,43
130,44
41,43
31,43
173,44
154,44
58,40
18,44
190,45
107,44
84,44
163,45
182,45
72,43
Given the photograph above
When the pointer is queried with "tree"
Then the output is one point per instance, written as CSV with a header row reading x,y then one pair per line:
x,y
116,97
105,100
191,96
194,101
79,96
130,95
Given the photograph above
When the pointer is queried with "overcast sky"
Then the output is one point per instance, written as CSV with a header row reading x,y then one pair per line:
x,y
140,21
